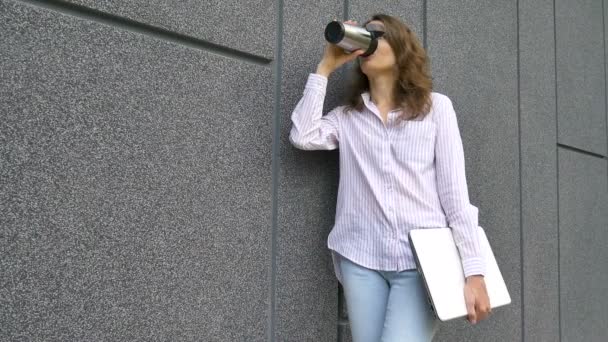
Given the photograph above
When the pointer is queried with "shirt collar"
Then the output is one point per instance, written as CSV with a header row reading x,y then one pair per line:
x,y
367,100
371,105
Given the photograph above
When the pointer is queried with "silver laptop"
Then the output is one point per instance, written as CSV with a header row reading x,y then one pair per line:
x,y
439,264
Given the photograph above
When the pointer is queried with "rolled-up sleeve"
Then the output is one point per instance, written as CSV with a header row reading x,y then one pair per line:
x,y
311,130
462,216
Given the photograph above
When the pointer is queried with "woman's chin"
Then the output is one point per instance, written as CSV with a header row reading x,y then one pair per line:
x,y
371,70
368,69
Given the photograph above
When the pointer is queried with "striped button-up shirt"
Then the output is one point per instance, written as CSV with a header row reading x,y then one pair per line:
x,y
394,177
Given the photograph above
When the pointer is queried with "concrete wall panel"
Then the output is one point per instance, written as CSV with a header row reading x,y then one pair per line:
x,y
583,232
581,102
135,187
538,171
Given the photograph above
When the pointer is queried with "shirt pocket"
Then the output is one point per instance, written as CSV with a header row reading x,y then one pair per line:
x,y
414,142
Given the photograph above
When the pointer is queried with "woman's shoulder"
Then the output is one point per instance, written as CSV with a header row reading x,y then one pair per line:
x,y
439,103
440,108
439,97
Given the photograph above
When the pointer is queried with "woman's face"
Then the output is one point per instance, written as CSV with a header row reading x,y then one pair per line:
x,y
382,60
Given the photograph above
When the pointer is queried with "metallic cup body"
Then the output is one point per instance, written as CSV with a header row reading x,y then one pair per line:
x,y
350,37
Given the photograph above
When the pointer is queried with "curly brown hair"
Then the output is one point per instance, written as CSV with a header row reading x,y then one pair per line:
x,y
412,89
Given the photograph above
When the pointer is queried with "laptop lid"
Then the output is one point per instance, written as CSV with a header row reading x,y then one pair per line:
x,y
439,264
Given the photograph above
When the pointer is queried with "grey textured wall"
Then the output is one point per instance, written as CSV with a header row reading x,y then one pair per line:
x,y
149,192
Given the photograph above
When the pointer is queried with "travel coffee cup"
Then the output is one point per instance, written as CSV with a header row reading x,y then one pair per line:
x,y
351,37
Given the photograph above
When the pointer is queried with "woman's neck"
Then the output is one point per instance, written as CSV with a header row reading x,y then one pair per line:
x,y
381,90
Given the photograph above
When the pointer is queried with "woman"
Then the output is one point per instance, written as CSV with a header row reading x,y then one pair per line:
x,y
401,167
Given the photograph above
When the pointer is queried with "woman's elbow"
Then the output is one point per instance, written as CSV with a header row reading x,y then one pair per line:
x,y
296,140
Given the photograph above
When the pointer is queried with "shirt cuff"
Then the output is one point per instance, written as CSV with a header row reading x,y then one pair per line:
x,y
474,266
317,82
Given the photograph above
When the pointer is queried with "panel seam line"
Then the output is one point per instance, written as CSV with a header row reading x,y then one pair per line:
x,y
127,24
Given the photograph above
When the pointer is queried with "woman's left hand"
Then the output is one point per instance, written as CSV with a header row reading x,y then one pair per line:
x,y
476,298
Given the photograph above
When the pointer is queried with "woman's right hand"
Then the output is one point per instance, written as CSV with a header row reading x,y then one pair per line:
x,y
334,56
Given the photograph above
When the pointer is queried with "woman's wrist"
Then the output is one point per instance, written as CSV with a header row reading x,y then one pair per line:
x,y
323,70
475,277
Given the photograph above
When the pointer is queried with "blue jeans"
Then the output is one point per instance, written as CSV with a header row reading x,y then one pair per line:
x,y
387,306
